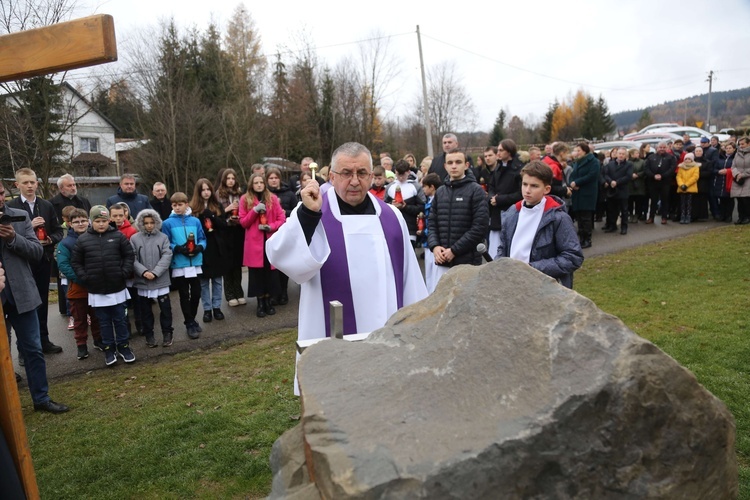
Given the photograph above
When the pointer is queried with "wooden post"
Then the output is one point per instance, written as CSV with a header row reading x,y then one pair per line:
x,y
11,417
73,44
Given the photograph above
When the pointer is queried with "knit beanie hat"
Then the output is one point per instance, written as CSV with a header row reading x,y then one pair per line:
x,y
98,212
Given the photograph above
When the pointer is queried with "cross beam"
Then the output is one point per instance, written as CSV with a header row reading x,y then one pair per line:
x,y
74,44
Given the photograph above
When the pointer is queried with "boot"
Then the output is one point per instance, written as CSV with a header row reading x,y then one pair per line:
x,y
261,312
283,298
269,306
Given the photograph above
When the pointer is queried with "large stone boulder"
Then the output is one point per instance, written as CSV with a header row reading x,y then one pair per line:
x,y
503,384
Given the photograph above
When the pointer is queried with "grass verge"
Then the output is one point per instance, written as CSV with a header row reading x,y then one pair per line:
x,y
198,425
689,297
201,424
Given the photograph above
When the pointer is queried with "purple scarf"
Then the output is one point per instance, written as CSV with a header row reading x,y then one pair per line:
x,y
334,276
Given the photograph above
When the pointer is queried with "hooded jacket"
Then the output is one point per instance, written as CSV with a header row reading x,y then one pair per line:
x,y
64,251
556,250
688,175
459,219
178,228
102,261
152,253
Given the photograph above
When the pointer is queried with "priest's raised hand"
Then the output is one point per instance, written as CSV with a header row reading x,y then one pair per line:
x,y
311,197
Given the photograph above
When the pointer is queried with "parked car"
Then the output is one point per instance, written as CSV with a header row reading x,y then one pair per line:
x,y
695,133
655,137
651,128
605,147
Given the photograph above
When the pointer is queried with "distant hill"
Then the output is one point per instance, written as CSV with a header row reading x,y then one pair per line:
x,y
730,108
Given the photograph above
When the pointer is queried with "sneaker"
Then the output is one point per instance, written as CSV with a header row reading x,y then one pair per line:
x,y
197,326
70,322
150,340
192,332
99,344
110,355
233,302
218,315
83,352
242,301
167,340
207,317
125,353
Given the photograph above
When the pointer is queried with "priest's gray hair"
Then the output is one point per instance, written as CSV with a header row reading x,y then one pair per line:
x,y
350,150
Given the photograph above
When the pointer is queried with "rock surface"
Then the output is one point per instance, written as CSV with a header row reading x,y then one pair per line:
x,y
503,384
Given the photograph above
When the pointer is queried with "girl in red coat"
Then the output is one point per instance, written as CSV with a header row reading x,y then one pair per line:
x,y
261,215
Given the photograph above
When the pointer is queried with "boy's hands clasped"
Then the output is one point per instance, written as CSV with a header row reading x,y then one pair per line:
x,y
443,255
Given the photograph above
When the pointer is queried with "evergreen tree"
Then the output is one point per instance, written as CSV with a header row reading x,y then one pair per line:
x,y
546,132
605,124
498,130
644,120
590,120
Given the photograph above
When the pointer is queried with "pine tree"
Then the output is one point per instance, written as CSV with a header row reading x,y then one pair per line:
x,y
590,120
644,120
546,133
498,130
605,124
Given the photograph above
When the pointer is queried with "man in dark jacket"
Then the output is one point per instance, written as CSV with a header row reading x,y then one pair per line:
x,y
19,247
617,176
68,196
450,142
459,217
47,227
127,193
504,188
660,171
160,202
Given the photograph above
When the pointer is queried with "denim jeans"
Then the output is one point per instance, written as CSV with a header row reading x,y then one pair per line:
x,y
26,326
147,314
211,293
114,324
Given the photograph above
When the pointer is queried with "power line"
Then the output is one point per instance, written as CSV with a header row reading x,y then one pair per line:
x,y
564,80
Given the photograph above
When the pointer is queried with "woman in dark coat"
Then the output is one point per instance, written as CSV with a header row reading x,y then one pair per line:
x,y
584,181
700,200
211,214
228,195
722,182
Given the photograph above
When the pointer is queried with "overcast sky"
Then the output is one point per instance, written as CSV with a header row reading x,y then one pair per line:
x,y
514,55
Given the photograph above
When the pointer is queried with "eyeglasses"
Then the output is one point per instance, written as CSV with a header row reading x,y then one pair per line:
x,y
347,175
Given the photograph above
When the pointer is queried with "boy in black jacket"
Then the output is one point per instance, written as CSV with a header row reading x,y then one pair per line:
x,y
103,259
459,217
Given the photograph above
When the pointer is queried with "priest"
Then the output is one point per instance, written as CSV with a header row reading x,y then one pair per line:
x,y
347,245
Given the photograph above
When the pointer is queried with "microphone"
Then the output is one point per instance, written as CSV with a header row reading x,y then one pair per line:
x,y
482,248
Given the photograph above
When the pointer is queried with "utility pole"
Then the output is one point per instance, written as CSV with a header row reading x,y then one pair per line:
x,y
427,126
710,85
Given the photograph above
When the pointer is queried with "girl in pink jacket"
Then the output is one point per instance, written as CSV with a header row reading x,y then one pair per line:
x,y
261,215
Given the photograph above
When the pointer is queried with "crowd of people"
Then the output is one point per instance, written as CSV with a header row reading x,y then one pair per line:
x,y
116,261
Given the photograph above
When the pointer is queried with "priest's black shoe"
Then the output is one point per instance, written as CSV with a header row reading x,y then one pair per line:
x,y
50,348
51,406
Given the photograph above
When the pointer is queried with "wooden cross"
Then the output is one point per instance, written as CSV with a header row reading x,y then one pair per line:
x,y
73,44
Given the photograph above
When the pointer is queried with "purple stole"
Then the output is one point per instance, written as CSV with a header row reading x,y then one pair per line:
x,y
334,275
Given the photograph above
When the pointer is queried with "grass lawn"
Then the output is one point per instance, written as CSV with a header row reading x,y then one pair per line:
x,y
201,424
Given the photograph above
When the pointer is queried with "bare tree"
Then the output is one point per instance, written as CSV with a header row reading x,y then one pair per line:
x,y
450,106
